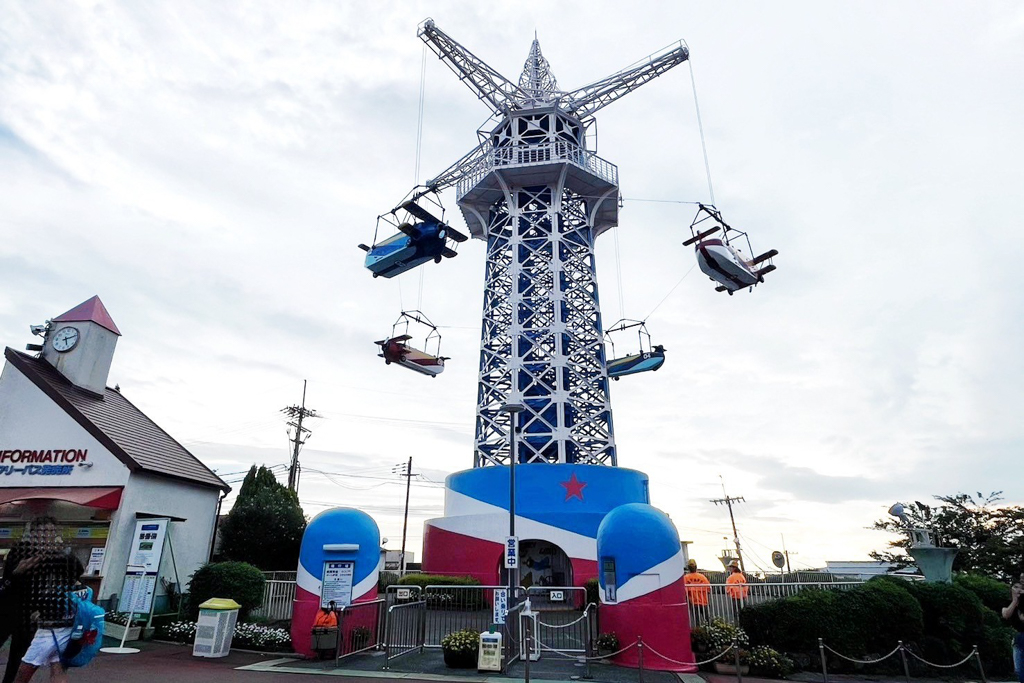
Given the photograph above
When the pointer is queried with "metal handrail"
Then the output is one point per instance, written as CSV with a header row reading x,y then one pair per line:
x,y
531,155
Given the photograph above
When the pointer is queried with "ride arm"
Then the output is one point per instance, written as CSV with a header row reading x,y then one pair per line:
x,y
499,93
590,98
454,173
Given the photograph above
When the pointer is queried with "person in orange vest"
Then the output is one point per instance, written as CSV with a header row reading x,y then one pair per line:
x,y
698,588
324,623
736,587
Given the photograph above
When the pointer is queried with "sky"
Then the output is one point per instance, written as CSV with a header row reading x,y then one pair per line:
x,y
208,169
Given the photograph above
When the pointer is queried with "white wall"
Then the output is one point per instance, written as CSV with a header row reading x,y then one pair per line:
x,y
161,496
30,420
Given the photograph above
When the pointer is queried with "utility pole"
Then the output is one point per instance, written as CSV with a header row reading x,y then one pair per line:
x,y
296,415
405,471
786,553
728,501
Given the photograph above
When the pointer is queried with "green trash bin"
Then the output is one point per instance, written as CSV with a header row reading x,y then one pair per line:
x,y
216,627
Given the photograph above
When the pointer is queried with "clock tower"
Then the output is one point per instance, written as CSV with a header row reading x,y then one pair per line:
x,y
80,345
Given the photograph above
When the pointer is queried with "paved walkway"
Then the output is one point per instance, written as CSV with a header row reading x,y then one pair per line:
x,y
167,663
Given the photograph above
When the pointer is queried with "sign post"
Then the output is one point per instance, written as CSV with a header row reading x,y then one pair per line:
x,y
141,574
500,605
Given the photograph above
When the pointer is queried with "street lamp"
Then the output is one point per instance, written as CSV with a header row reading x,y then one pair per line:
x,y
513,409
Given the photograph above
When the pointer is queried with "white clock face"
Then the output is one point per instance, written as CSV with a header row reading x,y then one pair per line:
x,y
65,339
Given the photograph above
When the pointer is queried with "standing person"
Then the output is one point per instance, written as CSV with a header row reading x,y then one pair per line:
x,y
1013,614
736,587
14,621
698,588
47,600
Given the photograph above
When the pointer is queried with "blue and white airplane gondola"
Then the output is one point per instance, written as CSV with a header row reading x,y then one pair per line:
x,y
415,243
720,259
648,358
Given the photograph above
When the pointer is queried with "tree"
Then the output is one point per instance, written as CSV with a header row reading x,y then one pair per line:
x,y
265,526
990,538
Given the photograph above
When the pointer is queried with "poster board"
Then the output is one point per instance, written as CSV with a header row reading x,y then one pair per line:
x,y
143,566
336,585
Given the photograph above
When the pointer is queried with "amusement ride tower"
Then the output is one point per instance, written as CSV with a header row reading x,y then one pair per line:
x,y
539,198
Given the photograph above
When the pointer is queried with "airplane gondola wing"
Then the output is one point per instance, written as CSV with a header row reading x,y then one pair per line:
x,y
456,235
764,257
418,211
764,271
449,253
701,235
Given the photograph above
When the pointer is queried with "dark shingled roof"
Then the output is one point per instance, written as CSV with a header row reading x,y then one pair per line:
x,y
122,428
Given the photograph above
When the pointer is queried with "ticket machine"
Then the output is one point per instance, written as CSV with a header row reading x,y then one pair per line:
x,y
339,562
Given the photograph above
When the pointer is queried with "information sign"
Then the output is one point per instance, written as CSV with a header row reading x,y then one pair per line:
x,y
337,583
95,561
137,594
512,552
143,566
403,593
147,546
556,596
500,605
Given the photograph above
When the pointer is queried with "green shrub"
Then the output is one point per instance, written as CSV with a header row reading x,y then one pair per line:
x,y
862,620
765,661
593,589
953,620
385,579
461,599
239,581
939,622
424,580
993,594
607,642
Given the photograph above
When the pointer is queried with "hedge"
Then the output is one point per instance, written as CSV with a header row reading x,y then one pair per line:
x,y
424,580
463,600
939,622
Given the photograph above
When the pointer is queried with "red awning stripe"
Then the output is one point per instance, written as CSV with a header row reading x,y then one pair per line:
x,y
101,497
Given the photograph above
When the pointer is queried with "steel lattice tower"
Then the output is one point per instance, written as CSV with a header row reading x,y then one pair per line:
x,y
540,199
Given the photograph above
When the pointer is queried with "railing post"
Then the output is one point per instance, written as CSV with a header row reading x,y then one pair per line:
x,y
588,647
525,626
736,660
387,641
824,668
981,669
906,667
640,655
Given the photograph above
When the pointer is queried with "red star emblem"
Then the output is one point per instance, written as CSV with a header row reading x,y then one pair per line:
x,y
573,488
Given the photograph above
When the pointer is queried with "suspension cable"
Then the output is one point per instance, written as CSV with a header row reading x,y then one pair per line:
x,y
618,273
700,127
419,149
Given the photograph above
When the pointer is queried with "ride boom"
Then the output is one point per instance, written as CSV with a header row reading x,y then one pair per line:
x,y
540,198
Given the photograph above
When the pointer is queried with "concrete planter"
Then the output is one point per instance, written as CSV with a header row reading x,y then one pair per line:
x,y
116,631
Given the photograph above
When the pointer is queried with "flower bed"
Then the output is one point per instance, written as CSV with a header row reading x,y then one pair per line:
x,y
247,636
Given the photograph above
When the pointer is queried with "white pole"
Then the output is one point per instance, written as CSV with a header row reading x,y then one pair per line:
x,y
122,650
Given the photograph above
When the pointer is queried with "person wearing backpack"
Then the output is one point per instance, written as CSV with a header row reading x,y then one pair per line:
x,y
49,600
14,622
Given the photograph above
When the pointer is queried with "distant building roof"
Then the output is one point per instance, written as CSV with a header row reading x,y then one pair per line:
x,y
866,569
92,310
123,429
